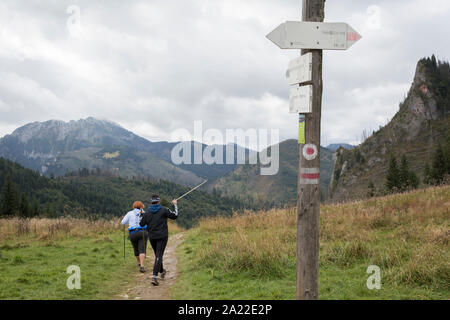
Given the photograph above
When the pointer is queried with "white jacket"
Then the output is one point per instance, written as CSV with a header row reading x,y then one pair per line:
x,y
132,218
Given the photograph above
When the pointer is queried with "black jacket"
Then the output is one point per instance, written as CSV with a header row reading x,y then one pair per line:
x,y
156,222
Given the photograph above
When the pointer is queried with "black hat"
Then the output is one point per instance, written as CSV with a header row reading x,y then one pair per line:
x,y
155,198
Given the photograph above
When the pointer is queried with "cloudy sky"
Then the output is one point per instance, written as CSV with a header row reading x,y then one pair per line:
x,y
158,65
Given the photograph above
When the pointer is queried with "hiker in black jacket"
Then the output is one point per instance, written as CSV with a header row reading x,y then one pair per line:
x,y
156,221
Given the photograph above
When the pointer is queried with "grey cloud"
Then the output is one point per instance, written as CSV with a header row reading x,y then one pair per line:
x,y
156,66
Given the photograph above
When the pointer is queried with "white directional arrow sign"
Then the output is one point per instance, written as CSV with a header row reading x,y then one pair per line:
x,y
314,35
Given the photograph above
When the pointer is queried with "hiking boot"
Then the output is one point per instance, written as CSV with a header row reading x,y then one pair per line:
x,y
155,281
141,269
163,274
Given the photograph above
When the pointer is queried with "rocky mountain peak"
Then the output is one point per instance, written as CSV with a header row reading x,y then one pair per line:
x,y
426,100
60,130
58,147
420,124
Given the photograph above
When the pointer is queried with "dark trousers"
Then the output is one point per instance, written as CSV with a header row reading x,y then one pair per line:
x,y
139,242
159,246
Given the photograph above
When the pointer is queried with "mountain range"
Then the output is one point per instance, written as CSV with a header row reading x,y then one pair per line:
x,y
56,148
334,146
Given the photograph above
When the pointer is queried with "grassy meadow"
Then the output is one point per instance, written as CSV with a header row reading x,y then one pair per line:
x,y
253,256
248,256
35,254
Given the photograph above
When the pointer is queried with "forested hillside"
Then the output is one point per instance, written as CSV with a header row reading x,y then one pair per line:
x,y
91,194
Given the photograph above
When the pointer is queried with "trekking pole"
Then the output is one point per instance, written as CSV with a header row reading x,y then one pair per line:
x,y
123,242
143,231
184,195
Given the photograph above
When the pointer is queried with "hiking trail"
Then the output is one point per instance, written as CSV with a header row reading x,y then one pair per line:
x,y
141,288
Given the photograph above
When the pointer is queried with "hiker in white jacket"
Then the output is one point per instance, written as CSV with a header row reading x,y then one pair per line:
x,y
138,235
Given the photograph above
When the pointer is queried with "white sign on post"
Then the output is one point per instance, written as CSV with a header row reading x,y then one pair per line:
x,y
300,99
300,69
314,35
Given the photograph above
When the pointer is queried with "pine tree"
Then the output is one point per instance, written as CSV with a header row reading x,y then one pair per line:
x,y
48,211
438,166
35,208
434,64
393,176
414,180
407,178
10,198
427,175
371,192
24,208
404,174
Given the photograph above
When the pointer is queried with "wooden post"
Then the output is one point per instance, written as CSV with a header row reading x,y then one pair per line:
x,y
308,185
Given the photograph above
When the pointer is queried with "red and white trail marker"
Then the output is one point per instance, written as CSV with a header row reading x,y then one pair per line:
x,y
310,151
309,176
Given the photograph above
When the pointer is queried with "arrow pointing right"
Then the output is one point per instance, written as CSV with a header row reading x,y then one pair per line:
x,y
352,36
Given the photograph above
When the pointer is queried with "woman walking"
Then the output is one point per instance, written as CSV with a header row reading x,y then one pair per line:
x,y
156,221
138,234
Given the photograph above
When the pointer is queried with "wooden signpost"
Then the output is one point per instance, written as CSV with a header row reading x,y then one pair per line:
x,y
304,75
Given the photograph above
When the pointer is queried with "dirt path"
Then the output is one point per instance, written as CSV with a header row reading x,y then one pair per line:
x,y
142,289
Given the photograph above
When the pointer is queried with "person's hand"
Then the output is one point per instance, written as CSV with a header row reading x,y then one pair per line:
x,y
174,202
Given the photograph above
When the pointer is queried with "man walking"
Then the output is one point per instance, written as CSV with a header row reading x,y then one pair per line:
x,y
156,221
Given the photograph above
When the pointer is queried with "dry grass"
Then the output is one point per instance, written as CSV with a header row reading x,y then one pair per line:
x,y
405,234
43,229
35,253
53,229
250,241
